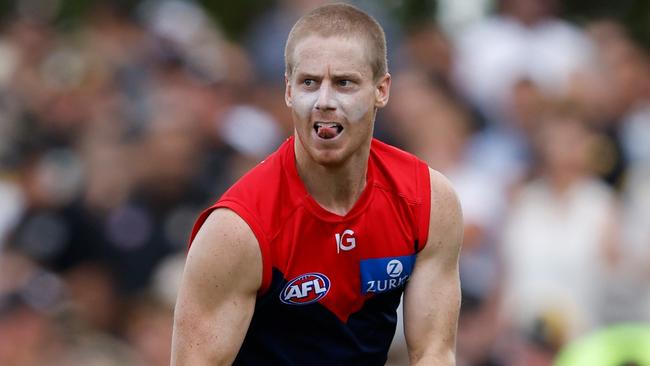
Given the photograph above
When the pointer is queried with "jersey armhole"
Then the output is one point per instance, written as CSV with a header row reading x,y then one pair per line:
x,y
424,196
253,224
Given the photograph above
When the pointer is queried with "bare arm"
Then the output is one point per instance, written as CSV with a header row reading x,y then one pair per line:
x,y
432,297
217,296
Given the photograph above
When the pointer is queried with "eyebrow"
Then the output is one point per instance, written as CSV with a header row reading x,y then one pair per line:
x,y
347,75
304,75
343,75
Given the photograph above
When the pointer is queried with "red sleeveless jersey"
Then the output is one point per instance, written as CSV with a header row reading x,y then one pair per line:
x,y
331,284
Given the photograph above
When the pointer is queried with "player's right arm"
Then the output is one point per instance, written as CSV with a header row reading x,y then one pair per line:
x,y
217,296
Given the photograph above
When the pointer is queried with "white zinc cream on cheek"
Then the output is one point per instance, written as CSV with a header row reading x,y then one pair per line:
x,y
303,102
350,107
355,107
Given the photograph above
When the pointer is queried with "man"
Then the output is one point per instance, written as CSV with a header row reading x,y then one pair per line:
x,y
303,261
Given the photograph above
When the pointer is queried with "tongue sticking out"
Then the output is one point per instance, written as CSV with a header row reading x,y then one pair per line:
x,y
327,132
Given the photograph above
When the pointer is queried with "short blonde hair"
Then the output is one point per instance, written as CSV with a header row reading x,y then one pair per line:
x,y
341,20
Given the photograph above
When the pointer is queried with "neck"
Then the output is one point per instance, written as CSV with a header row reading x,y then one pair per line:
x,y
335,188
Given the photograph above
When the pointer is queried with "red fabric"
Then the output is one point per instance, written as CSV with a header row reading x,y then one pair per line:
x,y
297,236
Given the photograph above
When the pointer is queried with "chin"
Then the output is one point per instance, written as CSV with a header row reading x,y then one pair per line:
x,y
328,158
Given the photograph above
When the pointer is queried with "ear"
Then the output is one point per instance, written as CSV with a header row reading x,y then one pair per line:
x,y
382,91
288,99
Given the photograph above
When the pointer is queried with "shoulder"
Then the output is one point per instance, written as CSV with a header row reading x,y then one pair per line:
x,y
225,245
265,194
399,171
389,154
446,218
443,195
255,206
224,232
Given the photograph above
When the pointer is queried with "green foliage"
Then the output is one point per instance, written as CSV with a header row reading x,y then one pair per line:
x,y
634,14
413,13
235,16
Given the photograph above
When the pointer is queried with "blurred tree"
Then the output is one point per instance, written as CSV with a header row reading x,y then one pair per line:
x,y
412,13
634,14
236,16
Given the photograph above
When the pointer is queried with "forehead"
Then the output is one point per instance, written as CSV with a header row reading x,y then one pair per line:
x,y
316,55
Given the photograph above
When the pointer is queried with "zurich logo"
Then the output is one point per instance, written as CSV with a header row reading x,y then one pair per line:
x,y
394,268
305,289
380,275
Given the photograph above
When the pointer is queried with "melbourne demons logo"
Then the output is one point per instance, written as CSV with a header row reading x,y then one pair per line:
x,y
305,289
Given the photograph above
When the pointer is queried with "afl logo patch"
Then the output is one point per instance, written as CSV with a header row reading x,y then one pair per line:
x,y
305,289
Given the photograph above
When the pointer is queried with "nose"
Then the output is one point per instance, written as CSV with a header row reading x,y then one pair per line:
x,y
325,101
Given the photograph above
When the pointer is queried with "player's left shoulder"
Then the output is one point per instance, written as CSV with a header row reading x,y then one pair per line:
x,y
446,217
443,194
398,171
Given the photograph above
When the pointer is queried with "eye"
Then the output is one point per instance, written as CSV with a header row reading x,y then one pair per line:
x,y
309,82
344,82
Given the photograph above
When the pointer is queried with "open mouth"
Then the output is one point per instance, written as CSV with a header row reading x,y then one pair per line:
x,y
328,130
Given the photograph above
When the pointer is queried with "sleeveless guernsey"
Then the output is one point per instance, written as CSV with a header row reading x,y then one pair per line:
x,y
331,284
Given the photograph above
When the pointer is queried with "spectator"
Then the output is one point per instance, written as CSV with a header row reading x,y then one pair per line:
x,y
524,40
559,241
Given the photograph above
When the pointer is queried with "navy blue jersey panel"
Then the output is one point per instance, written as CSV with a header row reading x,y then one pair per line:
x,y
281,334
375,323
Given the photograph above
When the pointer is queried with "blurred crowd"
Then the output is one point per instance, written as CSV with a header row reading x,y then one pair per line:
x,y
117,132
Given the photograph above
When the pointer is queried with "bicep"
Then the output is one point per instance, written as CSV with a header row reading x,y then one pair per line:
x,y
217,296
432,298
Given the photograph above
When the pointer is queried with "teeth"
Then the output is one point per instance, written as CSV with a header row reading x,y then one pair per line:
x,y
336,125
327,129
327,124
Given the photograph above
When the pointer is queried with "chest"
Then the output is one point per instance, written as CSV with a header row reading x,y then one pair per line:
x,y
340,264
